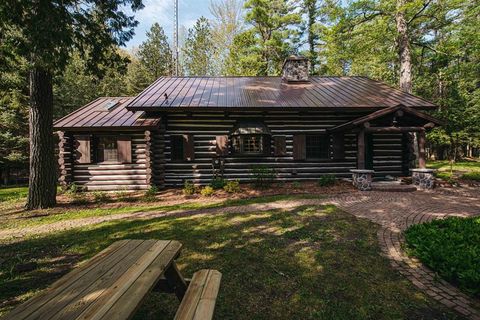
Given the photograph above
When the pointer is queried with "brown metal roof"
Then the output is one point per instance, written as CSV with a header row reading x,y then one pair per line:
x,y
97,114
239,92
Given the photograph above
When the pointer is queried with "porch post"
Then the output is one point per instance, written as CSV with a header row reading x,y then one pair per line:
x,y
421,150
361,149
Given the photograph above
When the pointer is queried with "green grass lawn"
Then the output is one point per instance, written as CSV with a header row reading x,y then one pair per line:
x,y
465,170
450,247
308,263
47,216
13,193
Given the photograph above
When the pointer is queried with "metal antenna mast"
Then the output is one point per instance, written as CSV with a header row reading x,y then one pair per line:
x,y
175,36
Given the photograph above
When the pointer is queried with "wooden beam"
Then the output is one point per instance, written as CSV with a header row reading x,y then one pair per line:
x,y
395,129
421,150
361,149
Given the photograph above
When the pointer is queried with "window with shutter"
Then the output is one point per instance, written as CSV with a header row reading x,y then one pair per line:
x,y
107,149
124,145
280,146
299,152
338,146
82,149
221,145
188,147
317,147
176,148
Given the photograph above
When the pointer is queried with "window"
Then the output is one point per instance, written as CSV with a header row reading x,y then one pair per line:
x,y
176,148
249,144
317,147
107,149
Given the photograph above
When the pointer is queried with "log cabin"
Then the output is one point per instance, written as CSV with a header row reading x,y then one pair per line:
x,y
195,128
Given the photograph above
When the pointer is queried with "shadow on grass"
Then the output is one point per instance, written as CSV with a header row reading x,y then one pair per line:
x,y
308,263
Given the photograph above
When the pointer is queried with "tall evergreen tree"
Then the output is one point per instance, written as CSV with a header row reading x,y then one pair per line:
x,y
199,50
273,22
44,33
155,54
227,23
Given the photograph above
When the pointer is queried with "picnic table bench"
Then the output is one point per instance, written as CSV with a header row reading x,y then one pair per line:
x,y
113,284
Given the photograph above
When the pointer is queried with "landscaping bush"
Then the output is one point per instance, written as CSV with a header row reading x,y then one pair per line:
x,y
76,194
475,175
263,176
150,194
326,180
296,184
100,196
218,183
450,247
232,186
207,191
188,188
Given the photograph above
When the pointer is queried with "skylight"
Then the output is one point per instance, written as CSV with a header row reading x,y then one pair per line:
x,y
111,104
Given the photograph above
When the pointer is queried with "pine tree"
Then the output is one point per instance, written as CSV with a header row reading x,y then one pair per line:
x,y
199,50
273,22
44,33
155,54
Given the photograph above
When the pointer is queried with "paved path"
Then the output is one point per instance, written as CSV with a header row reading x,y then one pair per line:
x,y
393,211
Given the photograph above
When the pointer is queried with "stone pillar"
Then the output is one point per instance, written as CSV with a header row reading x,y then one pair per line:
x,y
362,179
423,178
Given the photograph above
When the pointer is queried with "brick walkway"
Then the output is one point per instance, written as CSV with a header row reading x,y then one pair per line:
x,y
395,212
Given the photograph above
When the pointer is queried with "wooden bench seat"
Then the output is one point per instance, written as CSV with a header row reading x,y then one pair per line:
x,y
199,300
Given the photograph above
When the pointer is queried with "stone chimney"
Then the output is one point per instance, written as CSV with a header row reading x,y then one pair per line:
x,y
296,69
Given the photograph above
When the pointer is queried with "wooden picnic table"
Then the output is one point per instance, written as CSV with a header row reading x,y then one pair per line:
x,y
113,284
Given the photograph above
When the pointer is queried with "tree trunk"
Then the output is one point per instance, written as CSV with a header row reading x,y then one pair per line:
x,y
404,52
42,182
311,34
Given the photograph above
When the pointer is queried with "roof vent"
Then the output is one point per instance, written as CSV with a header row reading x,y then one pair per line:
x,y
111,104
295,69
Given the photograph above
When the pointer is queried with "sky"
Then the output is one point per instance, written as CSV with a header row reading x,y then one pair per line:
x,y
161,11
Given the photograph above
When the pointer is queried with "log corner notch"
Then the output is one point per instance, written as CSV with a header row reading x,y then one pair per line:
x,y
65,149
148,157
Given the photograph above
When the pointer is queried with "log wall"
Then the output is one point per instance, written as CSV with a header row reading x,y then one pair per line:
x,y
205,127
113,176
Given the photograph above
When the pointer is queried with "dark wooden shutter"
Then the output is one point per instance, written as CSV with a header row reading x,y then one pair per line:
x,y
338,146
299,147
124,149
82,149
188,147
221,145
280,145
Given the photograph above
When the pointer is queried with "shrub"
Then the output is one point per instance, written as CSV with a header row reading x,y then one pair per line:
x,y
232,186
263,176
125,195
100,196
450,247
326,180
150,194
76,194
188,187
207,191
218,183
447,177
475,175
296,184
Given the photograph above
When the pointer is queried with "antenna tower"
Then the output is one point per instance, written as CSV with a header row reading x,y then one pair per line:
x,y
175,36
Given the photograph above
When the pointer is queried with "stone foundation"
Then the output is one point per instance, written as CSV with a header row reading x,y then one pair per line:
x,y
362,179
423,178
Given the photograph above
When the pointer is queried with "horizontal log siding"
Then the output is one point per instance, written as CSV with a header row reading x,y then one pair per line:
x,y
116,176
206,126
387,154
